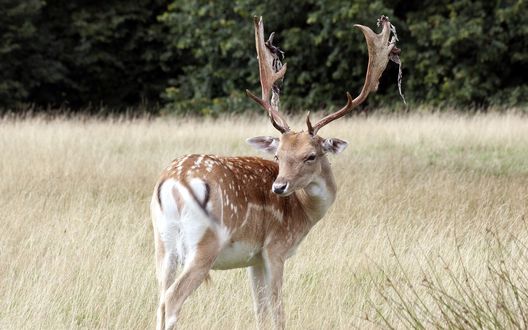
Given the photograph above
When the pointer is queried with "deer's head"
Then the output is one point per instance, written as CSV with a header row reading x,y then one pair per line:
x,y
301,155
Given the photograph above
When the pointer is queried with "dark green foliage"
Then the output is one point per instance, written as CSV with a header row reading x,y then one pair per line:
x,y
468,51
325,54
111,49
198,56
81,53
23,66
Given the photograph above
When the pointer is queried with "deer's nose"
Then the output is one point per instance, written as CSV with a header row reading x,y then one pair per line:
x,y
279,187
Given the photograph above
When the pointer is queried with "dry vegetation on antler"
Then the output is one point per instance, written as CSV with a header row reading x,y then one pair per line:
x,y
421,197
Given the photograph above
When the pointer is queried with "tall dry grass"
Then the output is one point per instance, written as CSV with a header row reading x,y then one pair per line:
x,y
427,206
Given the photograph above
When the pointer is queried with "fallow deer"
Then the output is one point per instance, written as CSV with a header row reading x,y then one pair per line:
x,y
215,212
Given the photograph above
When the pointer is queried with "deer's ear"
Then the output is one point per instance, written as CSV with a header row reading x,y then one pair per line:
x,y
334,145
266,144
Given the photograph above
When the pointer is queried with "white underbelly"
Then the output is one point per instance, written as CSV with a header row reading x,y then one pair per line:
x,y
237,255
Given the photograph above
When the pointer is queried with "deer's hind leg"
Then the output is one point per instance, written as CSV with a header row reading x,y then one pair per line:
x,y
167,266
195,271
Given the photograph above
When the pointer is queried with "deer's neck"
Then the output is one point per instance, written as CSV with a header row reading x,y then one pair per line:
x,y
319,195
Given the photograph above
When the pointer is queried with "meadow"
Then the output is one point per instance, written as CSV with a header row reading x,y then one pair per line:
x,y
429,227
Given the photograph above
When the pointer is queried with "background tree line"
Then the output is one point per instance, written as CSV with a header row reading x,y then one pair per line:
x,y
198,56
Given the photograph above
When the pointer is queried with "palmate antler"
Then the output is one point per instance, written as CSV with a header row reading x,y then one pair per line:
x,y
380,50
270,74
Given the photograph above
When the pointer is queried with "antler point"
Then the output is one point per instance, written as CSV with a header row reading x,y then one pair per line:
x,y
311,130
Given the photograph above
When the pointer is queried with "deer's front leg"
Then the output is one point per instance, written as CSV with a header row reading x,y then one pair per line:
x,y
274,260
260,291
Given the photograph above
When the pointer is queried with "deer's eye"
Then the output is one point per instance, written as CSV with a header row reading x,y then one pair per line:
x,y
276,158
310,158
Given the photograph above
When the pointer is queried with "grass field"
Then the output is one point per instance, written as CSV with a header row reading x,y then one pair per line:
x,y
429,227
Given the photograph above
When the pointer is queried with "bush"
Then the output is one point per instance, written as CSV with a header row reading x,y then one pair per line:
x,y
198,56
454,299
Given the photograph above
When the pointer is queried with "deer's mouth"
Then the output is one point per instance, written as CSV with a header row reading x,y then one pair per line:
x,y
281,188
284,194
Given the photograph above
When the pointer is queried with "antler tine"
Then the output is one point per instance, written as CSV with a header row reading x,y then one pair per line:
x,y
379,49
268,77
